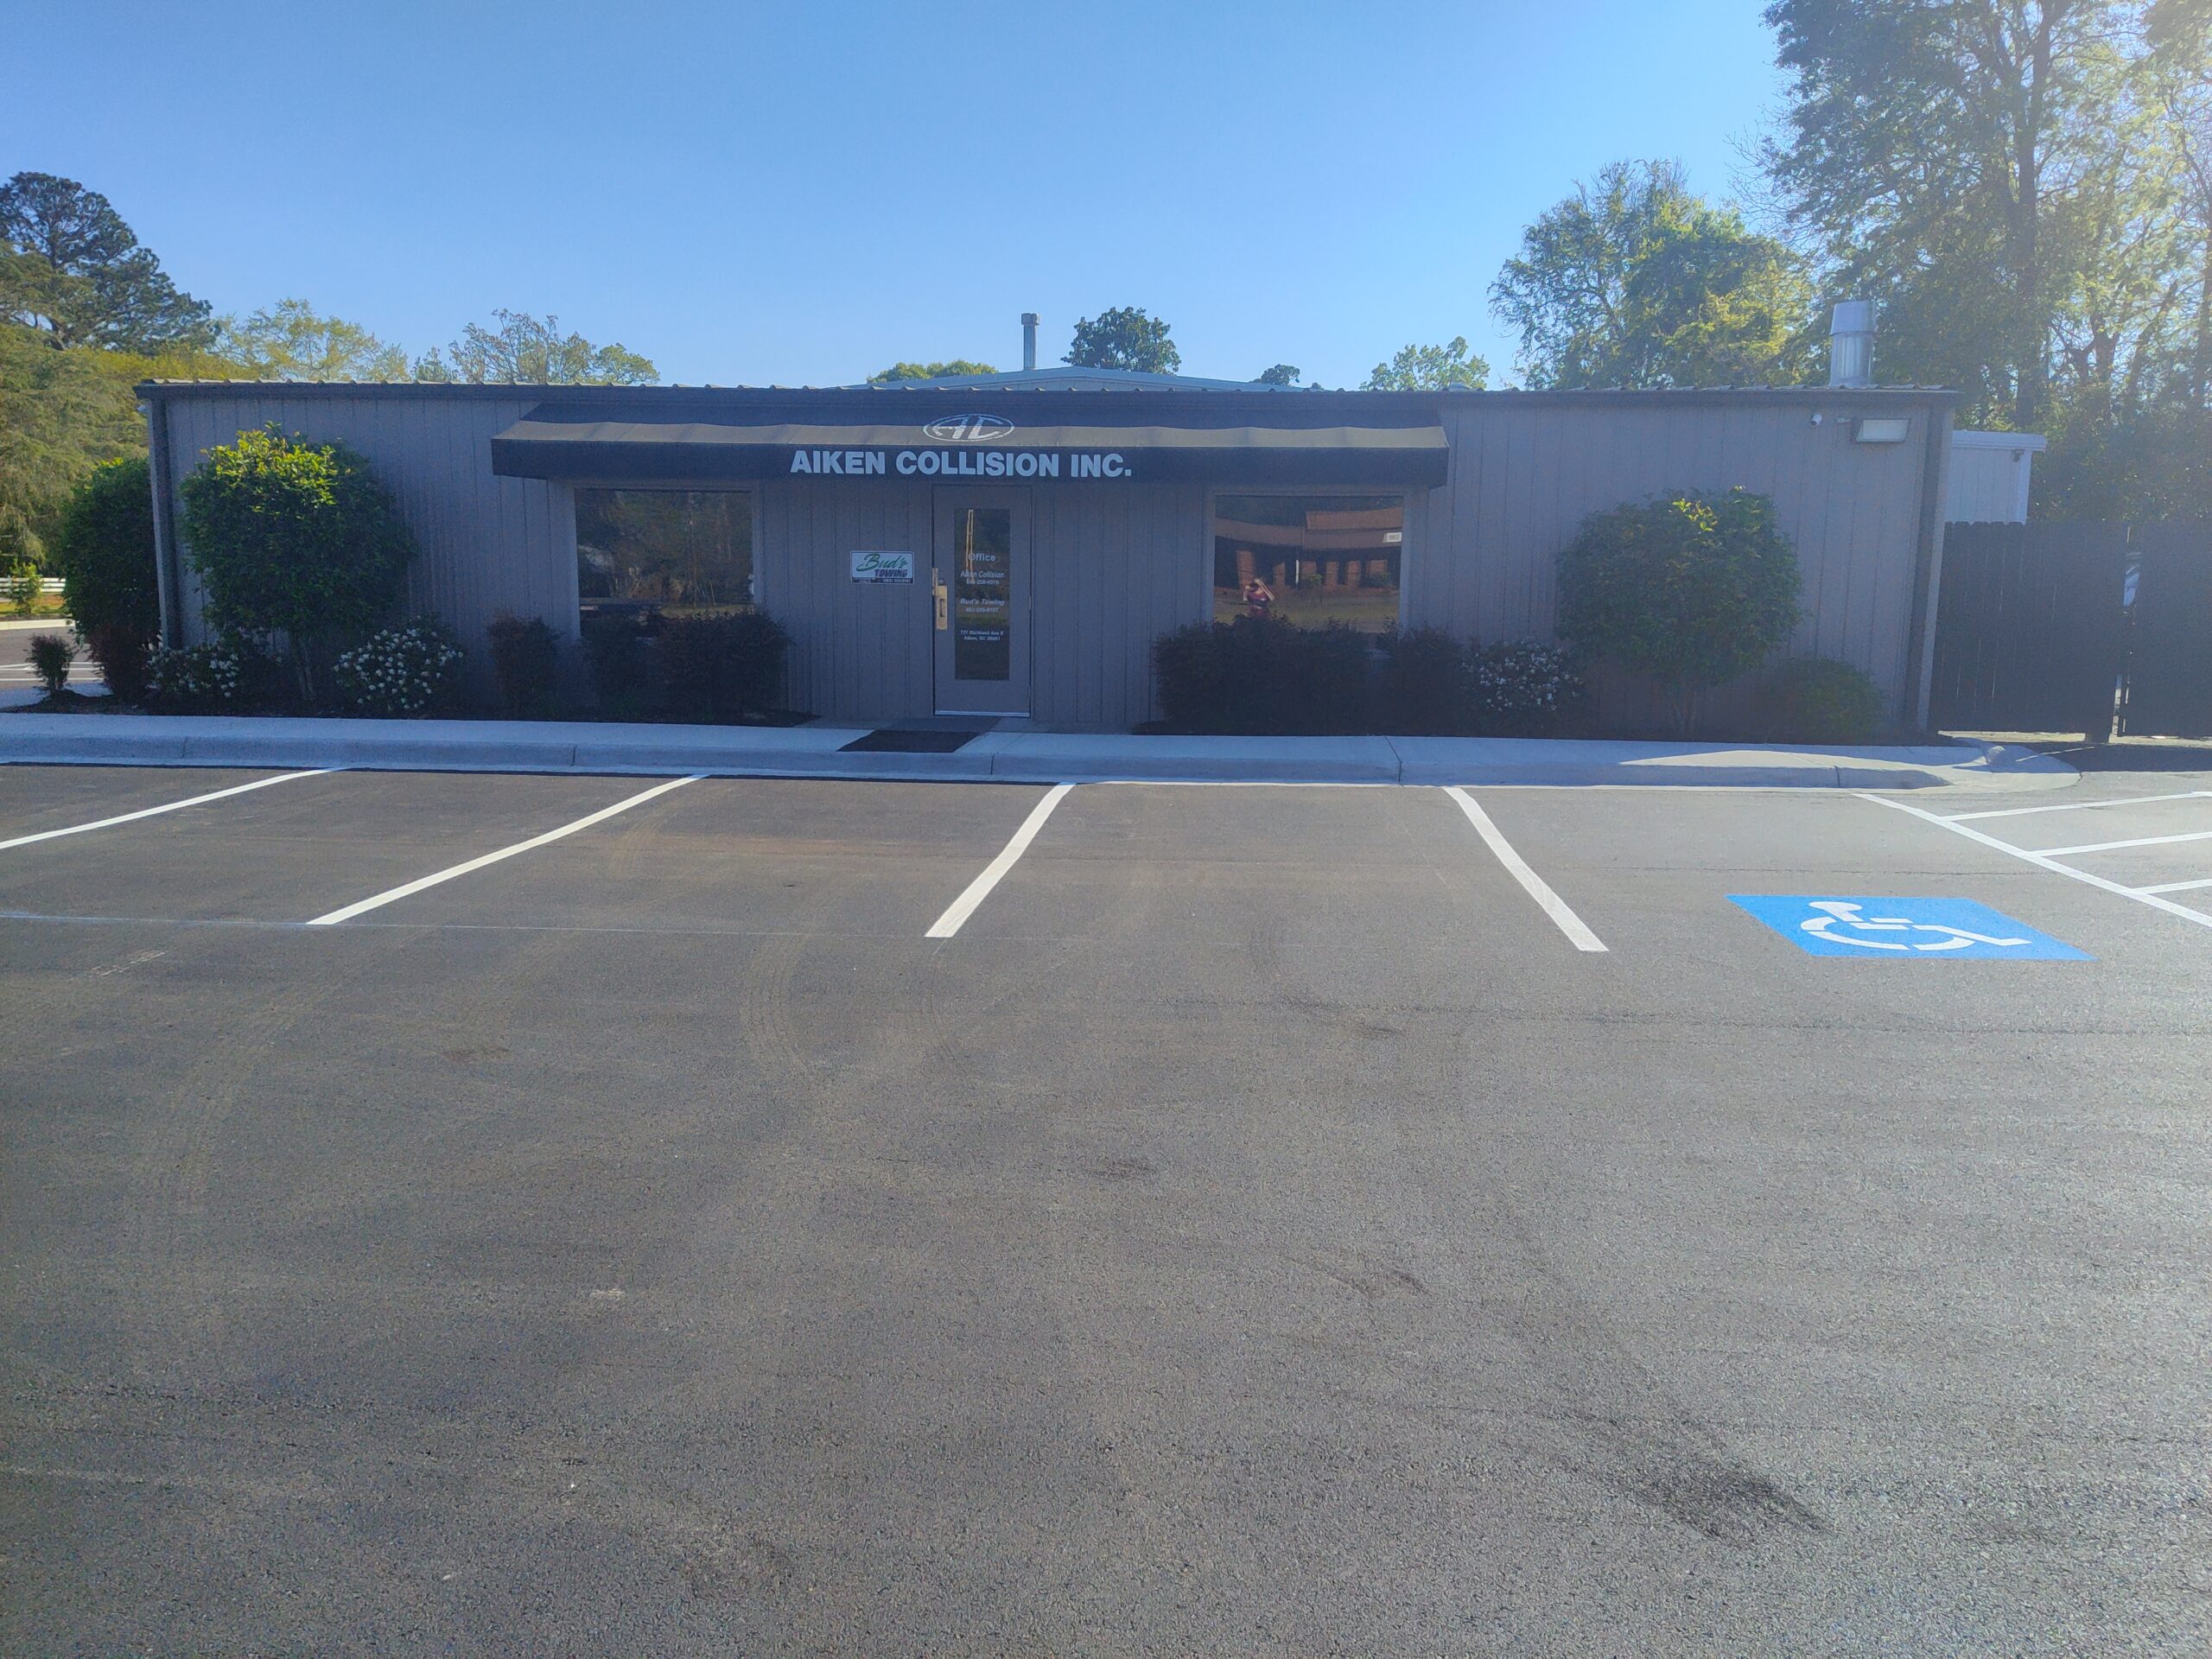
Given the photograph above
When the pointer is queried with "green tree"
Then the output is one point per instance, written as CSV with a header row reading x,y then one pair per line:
x,y
1692,589
1124,337
1930,147
1282,374
292,341
1636,281
61,414
78,273
899,372
530,351
1429,368
295,539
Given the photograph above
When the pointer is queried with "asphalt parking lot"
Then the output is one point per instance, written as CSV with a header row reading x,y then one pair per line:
x,y
1261,1219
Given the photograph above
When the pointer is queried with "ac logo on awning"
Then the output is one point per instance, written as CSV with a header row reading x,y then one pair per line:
x,y
969,429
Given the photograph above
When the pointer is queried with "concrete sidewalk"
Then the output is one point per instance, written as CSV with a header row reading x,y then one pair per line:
x,y
816,751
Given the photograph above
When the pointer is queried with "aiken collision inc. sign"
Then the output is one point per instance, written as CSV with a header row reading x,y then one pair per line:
x,y
992,457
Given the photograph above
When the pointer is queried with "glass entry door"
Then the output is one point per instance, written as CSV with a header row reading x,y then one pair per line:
x,y
980,584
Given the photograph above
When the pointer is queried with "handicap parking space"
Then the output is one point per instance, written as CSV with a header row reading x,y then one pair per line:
x,y
1748,900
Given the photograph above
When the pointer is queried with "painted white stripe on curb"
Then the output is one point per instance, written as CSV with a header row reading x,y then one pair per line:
x,y
1553,906
979,889
2043,861
172,806
585,823
2116,846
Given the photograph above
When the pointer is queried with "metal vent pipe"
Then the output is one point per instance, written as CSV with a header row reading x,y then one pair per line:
x,y
1029,339
1850,344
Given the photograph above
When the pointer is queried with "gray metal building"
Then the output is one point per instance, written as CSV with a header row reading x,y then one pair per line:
x,y
1014,545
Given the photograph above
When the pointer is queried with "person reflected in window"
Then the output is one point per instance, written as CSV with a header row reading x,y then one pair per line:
x,y
1259,598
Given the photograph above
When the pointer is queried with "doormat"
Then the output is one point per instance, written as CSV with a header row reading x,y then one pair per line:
x,y
885,741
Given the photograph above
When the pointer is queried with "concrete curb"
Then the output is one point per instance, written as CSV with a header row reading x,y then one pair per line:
x,y
817,751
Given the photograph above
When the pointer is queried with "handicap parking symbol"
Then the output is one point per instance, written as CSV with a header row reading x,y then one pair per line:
x,y
1901,929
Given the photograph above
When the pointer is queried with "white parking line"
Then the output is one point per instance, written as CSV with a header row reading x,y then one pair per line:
x,y
2044,861
979,889
585,823
2075,806
2179,887
2115,846
1553,906
169,807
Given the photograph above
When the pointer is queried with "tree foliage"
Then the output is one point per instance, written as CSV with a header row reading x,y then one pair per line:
x,y
60,414
2025,186
1124,337
1636,281
1693,589
105,547
1282,374
1429,368
531,351
291,341
295,538
899,372
74,270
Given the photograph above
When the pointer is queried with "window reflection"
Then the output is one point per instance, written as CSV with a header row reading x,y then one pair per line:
x,y
640,550
1309,559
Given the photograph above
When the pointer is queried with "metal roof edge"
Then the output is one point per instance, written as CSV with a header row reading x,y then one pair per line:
x,y
465,390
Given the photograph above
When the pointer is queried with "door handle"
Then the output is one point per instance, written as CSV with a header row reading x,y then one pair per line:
x,y
942,595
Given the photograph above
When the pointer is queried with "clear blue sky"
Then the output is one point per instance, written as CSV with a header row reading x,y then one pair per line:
x,y
800,194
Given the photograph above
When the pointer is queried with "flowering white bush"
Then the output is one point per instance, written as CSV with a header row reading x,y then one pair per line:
x,y
195,678
403,671
1521,687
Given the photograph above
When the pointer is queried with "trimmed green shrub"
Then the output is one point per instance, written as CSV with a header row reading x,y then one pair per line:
x,y
1261,674
51,656
526,657
220,677
1819,700
414,669
295,538
621,668
1187,670
123,654
1423,690
104,550
722,665
1692,589
1522,688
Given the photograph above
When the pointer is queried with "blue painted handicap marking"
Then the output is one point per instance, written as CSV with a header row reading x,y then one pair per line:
x,y
1901,929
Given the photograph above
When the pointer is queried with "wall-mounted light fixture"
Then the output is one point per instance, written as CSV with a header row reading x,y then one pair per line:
x,y
1882,429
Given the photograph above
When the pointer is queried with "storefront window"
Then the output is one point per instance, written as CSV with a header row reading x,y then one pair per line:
x,y
663,550
1309,559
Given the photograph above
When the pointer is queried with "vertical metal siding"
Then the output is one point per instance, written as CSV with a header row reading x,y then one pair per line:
x,y
487,543
1523,479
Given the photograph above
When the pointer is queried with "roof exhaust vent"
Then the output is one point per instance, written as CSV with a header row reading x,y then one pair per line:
x,y
1850,344
1029,339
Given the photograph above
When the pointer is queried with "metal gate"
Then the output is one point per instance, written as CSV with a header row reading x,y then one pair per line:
x,y
2030,629
2169,690
2048,626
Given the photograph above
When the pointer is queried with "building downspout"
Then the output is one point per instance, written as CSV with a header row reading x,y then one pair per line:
x,y
165,579
1928,575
